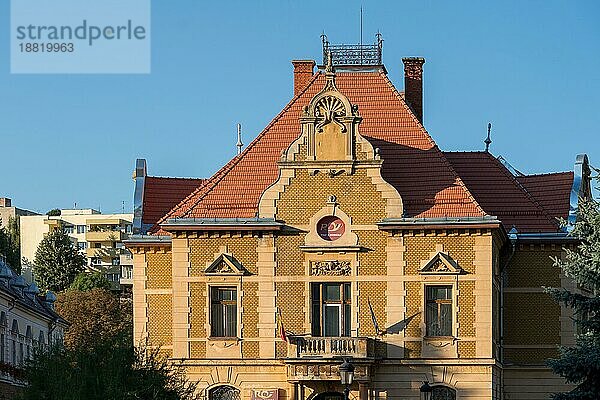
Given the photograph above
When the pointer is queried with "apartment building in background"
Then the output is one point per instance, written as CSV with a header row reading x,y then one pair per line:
x,y
8,211
98,236
345,226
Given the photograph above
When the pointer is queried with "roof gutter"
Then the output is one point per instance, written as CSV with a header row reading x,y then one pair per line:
x,y
439,223
222,224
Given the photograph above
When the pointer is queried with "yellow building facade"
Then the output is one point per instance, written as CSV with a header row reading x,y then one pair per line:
x,y
352,249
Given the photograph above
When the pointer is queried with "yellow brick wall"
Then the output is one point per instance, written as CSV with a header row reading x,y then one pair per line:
x,y
290,300
533,269
420,248
466,349
250,314
412,349
250,350
203,250
529,356
466,315
308,194
414,301
531,319
198,349
198,310
159,270
372,262
160,322
376,292
290,259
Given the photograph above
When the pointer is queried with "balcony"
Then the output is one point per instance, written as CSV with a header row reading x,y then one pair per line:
x,y
331,347
319,358
103,252
105,236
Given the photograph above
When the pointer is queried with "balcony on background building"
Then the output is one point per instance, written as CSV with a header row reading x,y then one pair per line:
x,y
103,252
105,236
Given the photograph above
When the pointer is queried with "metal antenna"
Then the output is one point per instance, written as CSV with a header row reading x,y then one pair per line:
x,y
239,142
361,32
487,141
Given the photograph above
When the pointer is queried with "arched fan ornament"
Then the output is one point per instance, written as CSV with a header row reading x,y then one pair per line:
x,y
329,108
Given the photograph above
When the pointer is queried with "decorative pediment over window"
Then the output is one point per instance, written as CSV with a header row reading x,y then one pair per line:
x,y
225,264
441,263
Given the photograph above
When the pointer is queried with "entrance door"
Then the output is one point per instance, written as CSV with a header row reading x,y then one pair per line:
x,y
329,396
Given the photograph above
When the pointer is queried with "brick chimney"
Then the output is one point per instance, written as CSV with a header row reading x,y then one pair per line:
x,y
4,202
303,72
413,84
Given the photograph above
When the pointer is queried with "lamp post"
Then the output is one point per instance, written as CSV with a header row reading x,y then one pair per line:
x,y
425,390
346,377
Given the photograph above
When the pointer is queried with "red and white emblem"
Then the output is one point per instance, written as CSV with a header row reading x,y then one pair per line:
x,y
331,228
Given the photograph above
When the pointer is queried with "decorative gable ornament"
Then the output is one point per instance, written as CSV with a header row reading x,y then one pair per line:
x,y
441,263
225,264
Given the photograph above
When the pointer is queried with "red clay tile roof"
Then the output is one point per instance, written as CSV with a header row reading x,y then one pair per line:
x,y
552,191
520,201
412,161
162,194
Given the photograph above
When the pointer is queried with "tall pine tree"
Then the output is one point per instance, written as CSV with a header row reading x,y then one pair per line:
x,y
57,262
580,365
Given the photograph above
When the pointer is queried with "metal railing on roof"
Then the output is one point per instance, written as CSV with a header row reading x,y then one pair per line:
x,y
353,54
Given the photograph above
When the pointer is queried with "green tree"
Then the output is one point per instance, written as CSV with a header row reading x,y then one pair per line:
x,y
57,262
580,365
110,370
85,281
96,315
10,245
55,212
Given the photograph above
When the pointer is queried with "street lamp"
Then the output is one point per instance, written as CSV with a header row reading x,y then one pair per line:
x,y
346,376
425,390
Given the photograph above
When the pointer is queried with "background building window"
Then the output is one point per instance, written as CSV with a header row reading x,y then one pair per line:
x,y
439,310
331,309
80,228
223,312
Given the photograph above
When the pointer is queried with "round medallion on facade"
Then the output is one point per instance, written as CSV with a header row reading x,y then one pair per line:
x,y
330,228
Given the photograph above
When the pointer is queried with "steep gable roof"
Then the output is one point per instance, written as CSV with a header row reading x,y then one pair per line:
x,y
502,194
413,164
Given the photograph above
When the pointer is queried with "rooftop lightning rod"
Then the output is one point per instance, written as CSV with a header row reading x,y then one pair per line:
x,y
239,142
487,141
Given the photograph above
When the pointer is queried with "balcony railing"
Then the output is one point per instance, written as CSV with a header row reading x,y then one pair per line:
x,y
330,347
105,236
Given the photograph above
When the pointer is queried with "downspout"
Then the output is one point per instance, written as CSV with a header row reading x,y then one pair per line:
x,y
512,237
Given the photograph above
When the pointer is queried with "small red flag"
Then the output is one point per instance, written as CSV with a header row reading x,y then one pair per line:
x,y
280,327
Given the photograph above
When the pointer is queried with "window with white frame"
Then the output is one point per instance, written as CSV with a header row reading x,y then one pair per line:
x,y
223,311
443,393
331,309
438,310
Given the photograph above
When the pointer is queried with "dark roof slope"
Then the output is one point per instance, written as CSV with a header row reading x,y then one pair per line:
x,y
522,201
552,191
162,194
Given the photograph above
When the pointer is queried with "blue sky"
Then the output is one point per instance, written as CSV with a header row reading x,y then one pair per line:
x,y
530,67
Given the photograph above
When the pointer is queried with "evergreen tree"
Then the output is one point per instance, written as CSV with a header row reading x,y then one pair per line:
x,y
85,281
10,245
580,365
57,262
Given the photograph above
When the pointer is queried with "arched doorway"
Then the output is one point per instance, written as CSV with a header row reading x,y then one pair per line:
x,y
224,392
329,396
443,393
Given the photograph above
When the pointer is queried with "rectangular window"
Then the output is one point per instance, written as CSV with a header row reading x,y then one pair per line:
x,y
82,245
2,341
68,230
80,228
439,310
223,311
331,309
